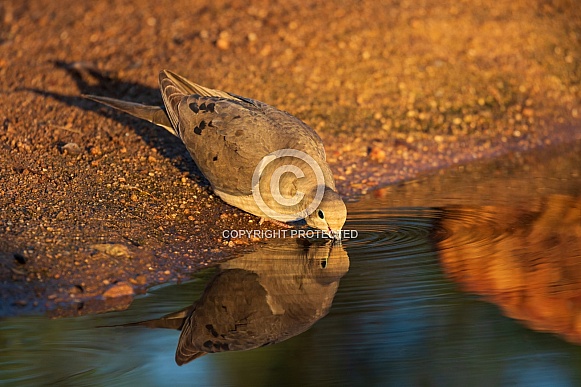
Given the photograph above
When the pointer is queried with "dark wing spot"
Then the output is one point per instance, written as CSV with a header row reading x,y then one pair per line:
x,y
208,344
198,129
195,108
203,106
247,100
211,107
211,329
215,158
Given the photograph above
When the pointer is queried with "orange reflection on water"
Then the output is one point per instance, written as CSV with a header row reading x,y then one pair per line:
x,y
525,260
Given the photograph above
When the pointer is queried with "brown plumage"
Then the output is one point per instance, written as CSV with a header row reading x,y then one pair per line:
x,y
228,136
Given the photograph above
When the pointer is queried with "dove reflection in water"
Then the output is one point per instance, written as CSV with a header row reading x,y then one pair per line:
x,y
261,298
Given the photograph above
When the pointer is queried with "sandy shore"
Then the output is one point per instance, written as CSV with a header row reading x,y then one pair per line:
x,y
393,88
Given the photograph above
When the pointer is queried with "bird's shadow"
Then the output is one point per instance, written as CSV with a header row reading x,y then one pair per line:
x,y
91,80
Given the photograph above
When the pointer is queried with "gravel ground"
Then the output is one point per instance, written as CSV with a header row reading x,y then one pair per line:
x,y
97,205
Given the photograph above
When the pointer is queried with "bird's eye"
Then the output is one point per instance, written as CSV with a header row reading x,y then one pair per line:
x,y
321,214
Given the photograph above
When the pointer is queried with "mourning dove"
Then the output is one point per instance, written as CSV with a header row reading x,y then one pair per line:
x,y
256,157
261,298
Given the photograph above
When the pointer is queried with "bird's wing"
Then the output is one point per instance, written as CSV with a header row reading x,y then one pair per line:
x,y
228,135
188,87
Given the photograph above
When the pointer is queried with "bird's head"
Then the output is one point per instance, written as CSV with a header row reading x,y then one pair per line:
x,y
330,215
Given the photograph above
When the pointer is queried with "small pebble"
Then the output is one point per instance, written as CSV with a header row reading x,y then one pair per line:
x,y
96,151
377,154
72,148
113,249
118,290
223,42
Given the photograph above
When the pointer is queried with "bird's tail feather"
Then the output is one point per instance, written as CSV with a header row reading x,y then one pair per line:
x,y
153,114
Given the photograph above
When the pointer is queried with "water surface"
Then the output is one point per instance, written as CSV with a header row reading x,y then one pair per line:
x,y
468,277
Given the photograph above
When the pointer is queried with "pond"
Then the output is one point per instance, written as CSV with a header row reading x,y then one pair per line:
x,y
469,276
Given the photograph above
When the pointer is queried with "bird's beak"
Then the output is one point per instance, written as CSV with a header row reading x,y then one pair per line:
x,y
336,234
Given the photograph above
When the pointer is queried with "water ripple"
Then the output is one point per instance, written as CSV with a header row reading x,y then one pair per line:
x,y
391,233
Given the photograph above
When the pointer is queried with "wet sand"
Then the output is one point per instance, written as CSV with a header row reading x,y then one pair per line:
x,y
395,89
